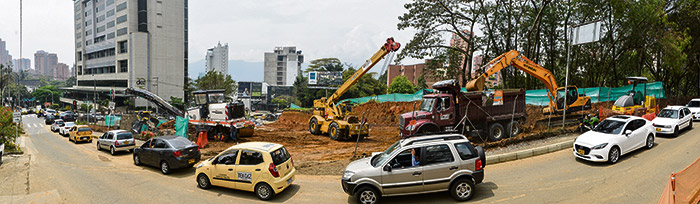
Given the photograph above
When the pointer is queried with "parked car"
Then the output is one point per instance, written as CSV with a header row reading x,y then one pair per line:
x,y
239,167
418,164
2,151
65,130
57,125
116,140
80,133
614,137
672,119
48,119
50,112
93,117
168,153
694,107
24,111
68,116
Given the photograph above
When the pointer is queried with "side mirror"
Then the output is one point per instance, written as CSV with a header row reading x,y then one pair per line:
x,y
628,132
387,168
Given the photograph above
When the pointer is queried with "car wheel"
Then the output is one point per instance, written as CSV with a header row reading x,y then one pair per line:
x,y
164,167
462,189
614,155
675,131
203,181
650,141
137,160
690,124
367,195
98,146
111,150
264,191
496,132
131,151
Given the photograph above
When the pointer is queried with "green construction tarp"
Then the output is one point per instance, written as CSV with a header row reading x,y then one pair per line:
x,y
293,106
110,120
532,97
181,126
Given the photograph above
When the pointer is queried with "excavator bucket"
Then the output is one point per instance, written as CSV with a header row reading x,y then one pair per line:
x,y
476,84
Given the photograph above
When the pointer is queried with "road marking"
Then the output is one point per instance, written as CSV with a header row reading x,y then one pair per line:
x,y
35,125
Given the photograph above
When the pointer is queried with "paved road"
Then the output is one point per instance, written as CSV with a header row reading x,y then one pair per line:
x,y
54,170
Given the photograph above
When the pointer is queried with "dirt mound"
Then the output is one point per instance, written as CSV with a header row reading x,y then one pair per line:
x,y
385,113
292,120
167,125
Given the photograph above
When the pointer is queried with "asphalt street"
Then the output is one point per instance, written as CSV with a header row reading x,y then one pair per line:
x,y
54,170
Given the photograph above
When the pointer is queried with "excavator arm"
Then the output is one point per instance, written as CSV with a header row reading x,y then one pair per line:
x,y
515,59
329,103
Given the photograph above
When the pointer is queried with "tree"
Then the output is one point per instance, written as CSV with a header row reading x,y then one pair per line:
x,y
215,80
46,93
177,103
326,64
367,85
301,92
401,84
188,89
70,81
7,129
283,101
421,84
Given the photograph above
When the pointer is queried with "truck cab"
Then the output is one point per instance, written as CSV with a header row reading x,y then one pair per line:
x,y
437,112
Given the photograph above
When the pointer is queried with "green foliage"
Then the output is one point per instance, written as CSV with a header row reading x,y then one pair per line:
x,y
298,109
45,93
367,85
215,80
177,103
284,100
54,106
85,107
400,84
421,83
326,64
8,128
302,93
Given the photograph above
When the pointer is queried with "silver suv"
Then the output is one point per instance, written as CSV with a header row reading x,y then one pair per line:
x,y
420,164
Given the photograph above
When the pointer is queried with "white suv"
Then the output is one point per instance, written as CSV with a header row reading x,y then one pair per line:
x,y
419,164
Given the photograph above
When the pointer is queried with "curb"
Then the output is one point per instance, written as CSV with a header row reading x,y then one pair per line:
x,y
512,156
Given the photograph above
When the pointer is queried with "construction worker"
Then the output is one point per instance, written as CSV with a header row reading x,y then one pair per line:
x,y
233,132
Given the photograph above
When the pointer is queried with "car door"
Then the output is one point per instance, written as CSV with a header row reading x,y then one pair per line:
x,y
159,151
250,166
688,117
446,113
101,140
147,153
438,165
224,169
640,134
406,176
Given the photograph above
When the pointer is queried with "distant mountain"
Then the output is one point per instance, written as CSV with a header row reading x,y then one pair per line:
x,y
238,69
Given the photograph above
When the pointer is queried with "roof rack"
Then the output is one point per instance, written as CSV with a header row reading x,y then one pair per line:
x,y
444,138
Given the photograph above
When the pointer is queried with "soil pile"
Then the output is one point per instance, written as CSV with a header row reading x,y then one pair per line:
x,y
385,113
292,120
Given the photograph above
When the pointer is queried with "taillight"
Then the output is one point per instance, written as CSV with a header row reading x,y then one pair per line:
x,y
177,153
273,170
479,165
116,142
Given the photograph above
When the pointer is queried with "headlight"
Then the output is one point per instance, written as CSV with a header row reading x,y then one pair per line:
x,y
200,165
409,128
347,175
600,146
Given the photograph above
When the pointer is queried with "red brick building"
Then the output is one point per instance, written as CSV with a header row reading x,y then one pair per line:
x,y
411,72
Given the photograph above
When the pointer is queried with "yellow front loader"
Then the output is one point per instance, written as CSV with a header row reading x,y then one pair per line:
x,y
335,119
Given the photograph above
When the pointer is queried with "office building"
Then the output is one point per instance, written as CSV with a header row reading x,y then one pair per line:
x,y
5,57
23,64
283,66
217,59
45,63
62,72
131,43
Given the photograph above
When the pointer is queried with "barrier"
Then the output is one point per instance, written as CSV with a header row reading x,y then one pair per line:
x,y
684,186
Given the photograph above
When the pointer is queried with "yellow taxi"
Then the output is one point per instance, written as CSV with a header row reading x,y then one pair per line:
x,y
80,133
261,167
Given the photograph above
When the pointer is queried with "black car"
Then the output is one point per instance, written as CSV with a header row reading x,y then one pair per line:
x,y
48,119
168,153
68,116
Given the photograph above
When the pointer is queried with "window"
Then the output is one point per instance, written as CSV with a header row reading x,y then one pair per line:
x,y
228,157
78,35
121,31
110,24
280,156
110,13
80,56
160,144
100,19
88,22
249,157
88,32
109,2
104,136
406,159
124,136
121,19
465,150
78,26
100,29
123,65
438,154
147,144
122,46
121,6
280,58
179,142
110,35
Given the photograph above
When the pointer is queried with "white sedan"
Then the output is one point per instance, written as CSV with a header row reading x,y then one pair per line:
x,y
694,107
672,119
613,137
66,128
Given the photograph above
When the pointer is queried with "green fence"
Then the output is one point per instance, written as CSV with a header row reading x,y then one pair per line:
x,y
534,97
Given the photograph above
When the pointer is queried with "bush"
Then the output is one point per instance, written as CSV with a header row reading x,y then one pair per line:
x,y
7,128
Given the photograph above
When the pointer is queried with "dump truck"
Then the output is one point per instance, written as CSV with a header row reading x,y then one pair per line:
x,y
496,115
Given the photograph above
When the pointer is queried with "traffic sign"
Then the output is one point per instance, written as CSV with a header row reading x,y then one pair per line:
x,y
111,105
16,117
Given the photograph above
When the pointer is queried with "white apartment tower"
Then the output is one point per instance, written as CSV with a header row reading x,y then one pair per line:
x,y
217,59
283,66
131,43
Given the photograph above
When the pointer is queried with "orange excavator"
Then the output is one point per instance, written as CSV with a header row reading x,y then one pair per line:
x,y
557,104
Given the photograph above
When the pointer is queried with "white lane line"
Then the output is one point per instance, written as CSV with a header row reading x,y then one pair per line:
x,y
35,125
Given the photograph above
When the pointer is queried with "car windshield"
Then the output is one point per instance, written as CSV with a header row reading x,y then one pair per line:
x,y
84,129
427,105
280,156
69,123
694,104
668,113
124,136
381,157
610,127
179,142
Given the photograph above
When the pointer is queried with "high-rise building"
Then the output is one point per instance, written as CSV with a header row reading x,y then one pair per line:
x,y
45,63
131,43
283,66
217,58
23,64
61,72
5,57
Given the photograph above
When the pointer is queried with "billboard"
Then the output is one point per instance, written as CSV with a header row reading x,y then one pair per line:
x,y
250,89
325,78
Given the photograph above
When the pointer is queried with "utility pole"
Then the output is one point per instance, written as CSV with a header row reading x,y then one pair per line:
x,y
94,95
156,85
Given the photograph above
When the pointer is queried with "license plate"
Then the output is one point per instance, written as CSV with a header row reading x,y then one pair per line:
x,y
581,152
658,129
289,180
191,161
83,138
126,142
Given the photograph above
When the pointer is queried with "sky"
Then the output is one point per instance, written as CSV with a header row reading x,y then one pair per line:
x,y
351,30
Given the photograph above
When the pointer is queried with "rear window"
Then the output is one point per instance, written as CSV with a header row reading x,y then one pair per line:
x,y
84,129
465,150
179,142
59,122
124,136
69,123
280,156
